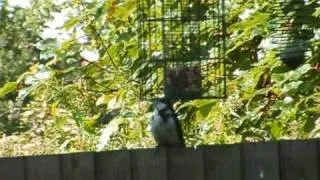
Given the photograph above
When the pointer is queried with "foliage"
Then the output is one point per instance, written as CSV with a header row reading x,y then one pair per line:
x,y
77,102
20,33
20,36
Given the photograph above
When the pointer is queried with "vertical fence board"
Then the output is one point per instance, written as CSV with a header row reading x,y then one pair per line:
x,y
42,168
222,162
149,164
299,160
11,169
77,166
113,165
186,164
261,161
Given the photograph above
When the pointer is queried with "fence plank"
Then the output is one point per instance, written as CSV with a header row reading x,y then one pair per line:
x,y
261,161
42,168
11,169
77,166
149,164
185,164
222,162
298,160
113,165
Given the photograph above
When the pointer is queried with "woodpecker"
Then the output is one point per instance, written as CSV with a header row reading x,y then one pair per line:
x,y
165,126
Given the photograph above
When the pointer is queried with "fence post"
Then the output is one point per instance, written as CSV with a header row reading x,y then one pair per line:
x,y
12,168
78,166
113,165
299,160
185,164
261,161
42,168
222,162
150,164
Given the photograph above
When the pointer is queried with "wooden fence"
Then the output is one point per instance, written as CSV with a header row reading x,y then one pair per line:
x,y
284,160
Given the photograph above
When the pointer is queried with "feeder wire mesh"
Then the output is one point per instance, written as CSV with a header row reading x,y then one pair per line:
x,y
182,46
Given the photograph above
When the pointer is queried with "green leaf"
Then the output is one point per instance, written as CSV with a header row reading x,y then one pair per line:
x,y
67,44
126,10
317,12
100,11
292,86
107,132
54,108
276,130
295,75
104,99
113,103
61,121
254,22
205,109
7,88
78,116
309,125
71,23
313,110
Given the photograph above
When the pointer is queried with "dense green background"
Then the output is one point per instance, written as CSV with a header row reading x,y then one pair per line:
x,y
52,100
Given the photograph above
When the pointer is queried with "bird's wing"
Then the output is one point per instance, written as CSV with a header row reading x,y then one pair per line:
x,y
179,131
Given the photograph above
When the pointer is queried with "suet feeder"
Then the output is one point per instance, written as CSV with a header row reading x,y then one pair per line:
x,y
182,48
293,27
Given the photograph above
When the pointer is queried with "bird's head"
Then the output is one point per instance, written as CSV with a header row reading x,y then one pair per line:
x,y
161,104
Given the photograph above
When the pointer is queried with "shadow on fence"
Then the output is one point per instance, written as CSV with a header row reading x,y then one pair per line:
x,y
284,160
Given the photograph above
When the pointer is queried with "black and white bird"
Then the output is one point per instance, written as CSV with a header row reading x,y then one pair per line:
x,y
165,126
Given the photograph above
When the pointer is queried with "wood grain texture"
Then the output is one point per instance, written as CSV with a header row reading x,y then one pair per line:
x,y
113,165
299,160
222,162
186,164
77,166
11,168
42,168
261,161
149,164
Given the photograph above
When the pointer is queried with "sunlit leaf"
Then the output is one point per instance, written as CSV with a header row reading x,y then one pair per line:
x,y
255,21
125,11
112,104
205,109
309,125
54,108
61,121
276,130
104,99
71,23
7,88
107,132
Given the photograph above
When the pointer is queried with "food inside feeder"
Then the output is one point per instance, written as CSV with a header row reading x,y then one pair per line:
x,y
183,82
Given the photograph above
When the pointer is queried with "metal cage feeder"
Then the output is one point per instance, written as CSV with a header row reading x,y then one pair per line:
x,y
182,47
293,28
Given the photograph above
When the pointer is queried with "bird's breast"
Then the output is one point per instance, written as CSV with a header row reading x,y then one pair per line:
x,y
164,131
